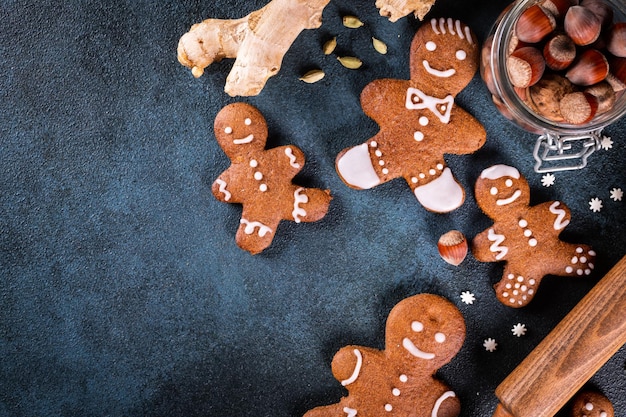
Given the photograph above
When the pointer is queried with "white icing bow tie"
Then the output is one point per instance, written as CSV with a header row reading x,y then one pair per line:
x,y
441,107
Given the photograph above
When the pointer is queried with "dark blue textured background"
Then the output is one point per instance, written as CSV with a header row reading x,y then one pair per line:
x,y
122,291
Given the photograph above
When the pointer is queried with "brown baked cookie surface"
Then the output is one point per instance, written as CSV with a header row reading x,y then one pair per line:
x,y
525,237
591,404
419,120
423,333
260,179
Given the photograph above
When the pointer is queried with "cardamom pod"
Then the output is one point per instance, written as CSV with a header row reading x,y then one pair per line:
x,y
312,76
352,22
379,46
350,62
329,46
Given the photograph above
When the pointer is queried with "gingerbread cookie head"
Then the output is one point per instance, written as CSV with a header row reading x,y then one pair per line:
x,y
426,330
501,188
444,56
240,128
591,404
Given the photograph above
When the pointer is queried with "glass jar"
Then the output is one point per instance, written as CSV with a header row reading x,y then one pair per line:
x,y
561,145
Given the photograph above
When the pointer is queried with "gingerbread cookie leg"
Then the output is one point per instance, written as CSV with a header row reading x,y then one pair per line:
x,y
354,166
254,234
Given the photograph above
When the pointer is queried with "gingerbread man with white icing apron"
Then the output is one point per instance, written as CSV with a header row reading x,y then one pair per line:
x,y
419,121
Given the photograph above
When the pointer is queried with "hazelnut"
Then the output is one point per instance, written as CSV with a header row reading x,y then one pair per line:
x,y
558,7
525,66
578,108
601,9
616,40
582,25
534,24
590,68
605,95
559,52
452,247
617,74
547,94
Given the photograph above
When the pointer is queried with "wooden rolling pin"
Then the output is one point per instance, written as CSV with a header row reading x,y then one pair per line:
x,y
565,360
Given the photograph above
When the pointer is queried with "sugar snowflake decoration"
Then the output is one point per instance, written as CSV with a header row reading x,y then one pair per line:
x,y
490,345
606,143
617,194
519,330
595,204
467,297
547,180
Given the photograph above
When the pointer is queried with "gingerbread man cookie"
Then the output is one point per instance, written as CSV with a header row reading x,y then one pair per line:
x,y
591,404
419,121
423,333
260,179
525,237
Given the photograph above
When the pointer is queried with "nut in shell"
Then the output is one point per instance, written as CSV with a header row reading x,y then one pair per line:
x,y
452,247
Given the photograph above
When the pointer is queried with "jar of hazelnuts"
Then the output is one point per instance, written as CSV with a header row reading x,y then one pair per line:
x,y
558,68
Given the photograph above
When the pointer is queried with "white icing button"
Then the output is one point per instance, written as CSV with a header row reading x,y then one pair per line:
x,y
431,46
524,288
579,250
418,136
417,326
403,378
520,279
589,406
590,265
531,291
583,260
440,337
532,242
385,171
518,285
381,162
422,175
512,300
248,122
263,187
511,276
228,130
414,180
580,272
258,176
432,172
569,269
505,294
378,153
587,271
531,281
396,392
515,292
575,260
493,191
423,120
461,55
439,167
388,407
527,233
592,253
523,223
373,144
254,163
509,286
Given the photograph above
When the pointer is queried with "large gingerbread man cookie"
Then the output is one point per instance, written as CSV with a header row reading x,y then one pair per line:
x,y
260,179
423,333
525,237
419,121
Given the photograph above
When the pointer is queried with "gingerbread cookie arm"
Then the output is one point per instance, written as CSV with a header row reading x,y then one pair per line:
x,y
447,405
309,204
222,188
470,135
490,246
571,260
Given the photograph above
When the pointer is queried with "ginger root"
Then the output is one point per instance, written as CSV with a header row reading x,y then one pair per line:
x,y
397,9
258,42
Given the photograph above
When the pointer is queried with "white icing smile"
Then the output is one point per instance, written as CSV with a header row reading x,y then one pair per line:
x,y
437,73
245,140
505,201
415,351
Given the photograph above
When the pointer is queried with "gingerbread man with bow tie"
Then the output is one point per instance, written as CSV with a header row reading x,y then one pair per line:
x,y
419,121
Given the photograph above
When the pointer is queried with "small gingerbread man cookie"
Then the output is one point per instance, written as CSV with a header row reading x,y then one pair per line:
x,y
423,333
419,121
260,179
591,404
525,237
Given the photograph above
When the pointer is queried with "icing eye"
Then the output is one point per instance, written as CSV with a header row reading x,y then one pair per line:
x,y
417,326
461,55
440,337
228,130
509,183
494,191
431,46
248,122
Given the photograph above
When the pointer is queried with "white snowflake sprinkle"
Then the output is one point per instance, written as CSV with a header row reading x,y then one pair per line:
x,y
467,297
595,204
617,194
490,345
519,330
547,180
606,143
